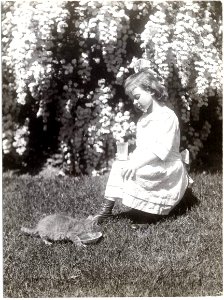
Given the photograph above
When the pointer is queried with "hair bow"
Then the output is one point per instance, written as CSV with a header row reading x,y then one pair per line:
x,y
140,64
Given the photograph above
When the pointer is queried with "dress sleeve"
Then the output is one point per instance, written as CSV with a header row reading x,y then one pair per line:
x,y
167,131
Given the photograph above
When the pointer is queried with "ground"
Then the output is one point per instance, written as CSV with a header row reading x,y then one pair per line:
x,y
178,255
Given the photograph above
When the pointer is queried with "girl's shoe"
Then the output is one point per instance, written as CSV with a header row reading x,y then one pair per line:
x,y
106,211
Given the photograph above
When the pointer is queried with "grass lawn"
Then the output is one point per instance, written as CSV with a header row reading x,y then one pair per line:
x,y
179,255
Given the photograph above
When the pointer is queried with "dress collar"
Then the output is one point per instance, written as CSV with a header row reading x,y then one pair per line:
x,y
164,113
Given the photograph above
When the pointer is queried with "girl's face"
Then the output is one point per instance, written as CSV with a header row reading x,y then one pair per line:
x,y
142,99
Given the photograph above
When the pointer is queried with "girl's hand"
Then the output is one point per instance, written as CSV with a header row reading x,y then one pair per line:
x,y
137,162
129,171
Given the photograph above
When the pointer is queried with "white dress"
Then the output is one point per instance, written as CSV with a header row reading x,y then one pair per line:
x,y
160,185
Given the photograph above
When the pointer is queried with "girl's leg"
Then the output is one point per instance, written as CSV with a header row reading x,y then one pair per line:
x,y
114,190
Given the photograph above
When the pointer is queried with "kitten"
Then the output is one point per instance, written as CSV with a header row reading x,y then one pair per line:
x,y
61,227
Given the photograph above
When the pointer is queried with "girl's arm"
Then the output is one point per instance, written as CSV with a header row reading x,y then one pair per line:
x,y
137,162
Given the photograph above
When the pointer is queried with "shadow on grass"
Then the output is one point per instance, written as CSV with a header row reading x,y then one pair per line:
x,y
138,217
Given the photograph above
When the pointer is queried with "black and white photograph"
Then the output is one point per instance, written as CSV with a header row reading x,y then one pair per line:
x,y
112,148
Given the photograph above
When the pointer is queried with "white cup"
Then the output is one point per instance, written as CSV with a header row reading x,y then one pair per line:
x,y
122,151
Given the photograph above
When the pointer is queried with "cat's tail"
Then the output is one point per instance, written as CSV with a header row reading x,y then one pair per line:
x,y
30,231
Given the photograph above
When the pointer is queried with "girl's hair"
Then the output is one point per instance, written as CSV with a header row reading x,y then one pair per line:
x,y
148,81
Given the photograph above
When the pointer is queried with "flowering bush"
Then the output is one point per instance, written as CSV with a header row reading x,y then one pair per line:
x,y
185,49
64,64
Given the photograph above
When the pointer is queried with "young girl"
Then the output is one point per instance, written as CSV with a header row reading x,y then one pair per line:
x,y
154,179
